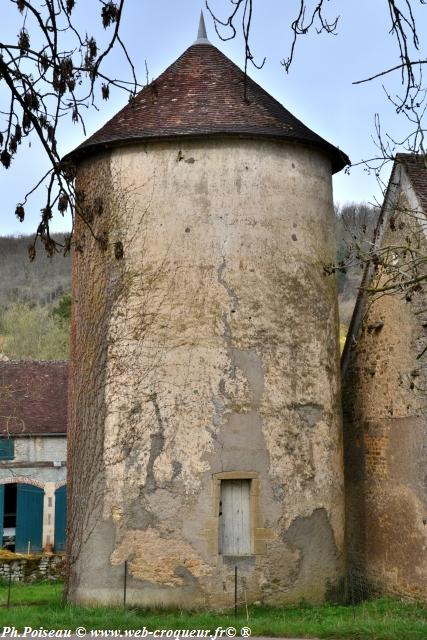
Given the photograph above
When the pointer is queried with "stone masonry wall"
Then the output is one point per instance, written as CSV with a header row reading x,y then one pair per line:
x,y
32,568
385,434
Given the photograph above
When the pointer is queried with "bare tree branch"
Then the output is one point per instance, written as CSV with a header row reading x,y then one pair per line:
x,y
58,80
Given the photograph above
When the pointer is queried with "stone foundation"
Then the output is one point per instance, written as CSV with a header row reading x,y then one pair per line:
x,y
32,568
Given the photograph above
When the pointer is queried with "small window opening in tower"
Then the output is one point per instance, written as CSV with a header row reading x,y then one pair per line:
x,y
9,520
235,518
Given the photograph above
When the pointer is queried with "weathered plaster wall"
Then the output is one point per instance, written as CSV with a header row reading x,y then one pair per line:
x,y
210,348
385,434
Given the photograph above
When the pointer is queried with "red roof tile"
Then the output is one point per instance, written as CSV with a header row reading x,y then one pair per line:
x,y
416,169
202,94
33,398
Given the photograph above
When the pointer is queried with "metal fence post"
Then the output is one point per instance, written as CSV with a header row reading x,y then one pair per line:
x,y
235,591
9,585
125,583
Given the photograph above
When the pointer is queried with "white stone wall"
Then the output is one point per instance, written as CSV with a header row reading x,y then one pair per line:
x,y
41,449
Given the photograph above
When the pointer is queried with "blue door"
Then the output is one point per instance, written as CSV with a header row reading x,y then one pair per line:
x,y
60,518
1,513
29,518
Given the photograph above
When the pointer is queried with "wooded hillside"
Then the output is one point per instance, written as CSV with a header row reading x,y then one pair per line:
x,y
40,282
34,302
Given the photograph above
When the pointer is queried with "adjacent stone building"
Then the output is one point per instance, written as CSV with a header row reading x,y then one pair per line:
x,y
33,425
204,407
384,393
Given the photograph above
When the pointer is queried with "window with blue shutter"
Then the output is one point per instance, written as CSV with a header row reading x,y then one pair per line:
x,y
7,449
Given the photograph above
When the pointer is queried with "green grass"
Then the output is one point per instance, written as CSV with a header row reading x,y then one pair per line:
x,y
39,592
377,620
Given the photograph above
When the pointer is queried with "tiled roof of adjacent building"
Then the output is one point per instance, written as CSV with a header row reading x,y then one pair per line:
x,y
33,398
416,168
203,94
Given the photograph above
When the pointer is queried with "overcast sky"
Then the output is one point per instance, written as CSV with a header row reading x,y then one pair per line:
x,y
318,88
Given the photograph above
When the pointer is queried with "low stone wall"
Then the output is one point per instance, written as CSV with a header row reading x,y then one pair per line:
x,y
32,568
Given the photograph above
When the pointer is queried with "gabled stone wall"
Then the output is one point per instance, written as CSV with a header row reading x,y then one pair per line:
x,y
385,428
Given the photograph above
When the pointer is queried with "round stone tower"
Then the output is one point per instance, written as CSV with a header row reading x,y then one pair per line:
x,y
205,422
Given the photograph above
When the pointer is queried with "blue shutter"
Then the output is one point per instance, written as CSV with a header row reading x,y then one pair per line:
x,y
1,513
60,518
29,518
7,449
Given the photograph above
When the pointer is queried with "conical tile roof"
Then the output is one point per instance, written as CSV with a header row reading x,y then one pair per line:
x,y
203,94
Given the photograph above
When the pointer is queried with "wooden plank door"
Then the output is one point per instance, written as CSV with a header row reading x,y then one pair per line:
x,y
235,525
60,518
29,518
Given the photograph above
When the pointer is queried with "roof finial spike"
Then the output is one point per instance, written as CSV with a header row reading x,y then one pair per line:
x,y
202,36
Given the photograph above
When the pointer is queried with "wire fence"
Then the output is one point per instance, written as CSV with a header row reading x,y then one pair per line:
x,y
359,589
352,590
